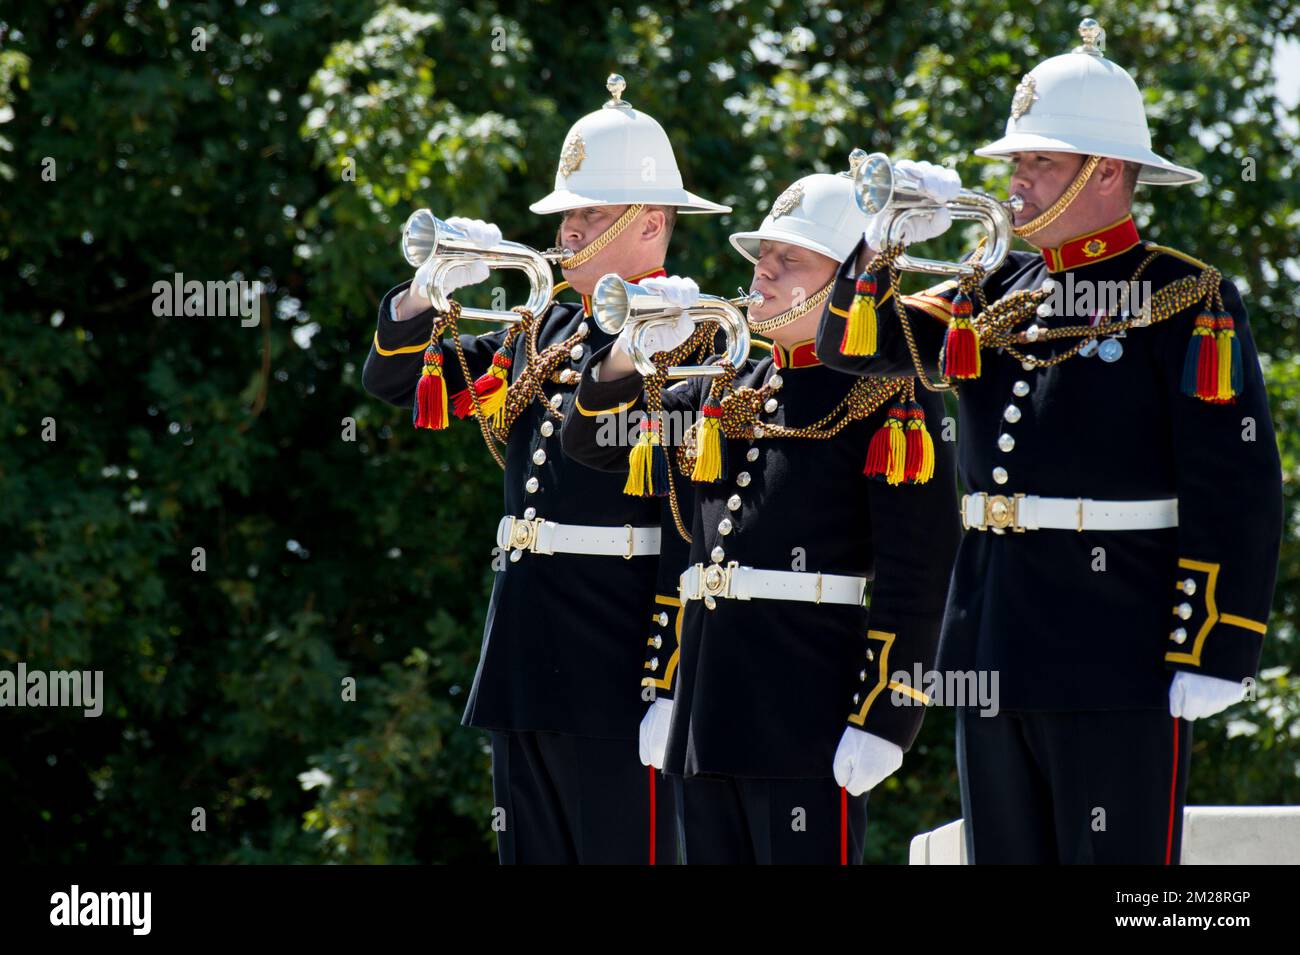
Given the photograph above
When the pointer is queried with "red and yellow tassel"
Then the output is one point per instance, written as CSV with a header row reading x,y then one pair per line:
x,y
887,453
1212,370
710,450
430,409
918,466
490,387
961,344
860,326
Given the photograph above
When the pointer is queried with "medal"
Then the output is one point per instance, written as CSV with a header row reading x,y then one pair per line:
x,y
1111,349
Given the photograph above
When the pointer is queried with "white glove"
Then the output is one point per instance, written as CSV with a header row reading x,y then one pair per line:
x,y
1193,695
675,290
863,759
937,182
916,228
654,733
485,235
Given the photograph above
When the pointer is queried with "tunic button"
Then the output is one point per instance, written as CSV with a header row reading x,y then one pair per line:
x,y
1011,414
1000,475
1044,310
657,642
856,699
751,454
770,405
733,502
871,654
515,555
1028,364
776,382
568,377
1189,586
1032,333
1179,635
531,485
1006,442
576,352
556,400
582,328
1184,610
1020,389
742,479
724,526
862,676
548,429
717,554
539,456
530,513
662,618
654,664
758,430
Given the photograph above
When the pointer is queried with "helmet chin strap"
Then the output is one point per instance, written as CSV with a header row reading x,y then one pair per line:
x,y
602,240
792,314
1057,208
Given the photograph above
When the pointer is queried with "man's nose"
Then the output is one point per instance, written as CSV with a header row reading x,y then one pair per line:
x,y
764,269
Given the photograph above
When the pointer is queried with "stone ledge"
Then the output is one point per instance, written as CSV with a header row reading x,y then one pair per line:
x,y
1212,835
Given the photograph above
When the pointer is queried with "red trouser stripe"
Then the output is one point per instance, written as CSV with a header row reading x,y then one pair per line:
x,y
844,826
1173,799
652,815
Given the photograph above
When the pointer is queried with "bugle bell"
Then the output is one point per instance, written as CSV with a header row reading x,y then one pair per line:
x,y
425,236
616,303
879,187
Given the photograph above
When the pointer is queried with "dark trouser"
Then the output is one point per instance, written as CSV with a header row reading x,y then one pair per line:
x,y
1101,786
737,821
576,799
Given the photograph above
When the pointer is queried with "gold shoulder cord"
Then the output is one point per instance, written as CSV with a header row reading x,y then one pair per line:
x,y
887,258
995,322
694,351
740,409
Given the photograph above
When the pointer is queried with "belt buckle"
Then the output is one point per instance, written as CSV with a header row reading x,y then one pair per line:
x,y
1001,512
715,582
630,545
523,534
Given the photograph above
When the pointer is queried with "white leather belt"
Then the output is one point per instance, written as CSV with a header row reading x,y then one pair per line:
x,y
540,536
1029,512
747,583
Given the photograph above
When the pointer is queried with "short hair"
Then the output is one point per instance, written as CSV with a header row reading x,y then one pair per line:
x,y
1131,172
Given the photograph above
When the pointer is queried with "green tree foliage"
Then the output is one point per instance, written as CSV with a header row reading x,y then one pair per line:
x,y
286,143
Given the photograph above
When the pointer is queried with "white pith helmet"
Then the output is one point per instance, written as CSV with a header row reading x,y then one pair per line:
x,y
617,156
817,212
1081,102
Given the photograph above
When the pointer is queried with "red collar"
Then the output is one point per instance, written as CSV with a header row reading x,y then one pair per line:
x,y
802,355
634,279
1115,239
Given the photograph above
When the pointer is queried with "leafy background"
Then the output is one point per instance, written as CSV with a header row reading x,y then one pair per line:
x,y
289,150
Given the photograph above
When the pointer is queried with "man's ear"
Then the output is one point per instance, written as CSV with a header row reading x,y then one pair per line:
x,y
653,224
1110,176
